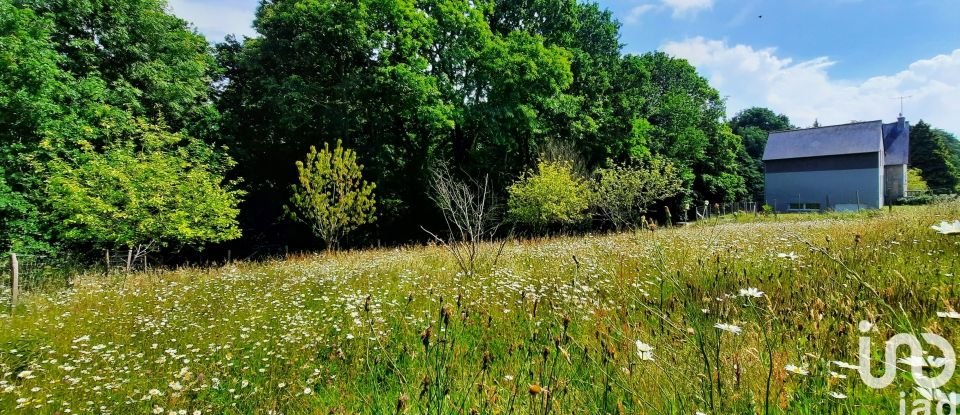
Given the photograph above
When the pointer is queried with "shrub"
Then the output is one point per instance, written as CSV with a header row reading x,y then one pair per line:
x,y
551,195
332,197
622,193
155,188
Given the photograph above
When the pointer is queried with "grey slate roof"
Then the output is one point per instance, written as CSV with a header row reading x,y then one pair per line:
x,y
896,143
854,138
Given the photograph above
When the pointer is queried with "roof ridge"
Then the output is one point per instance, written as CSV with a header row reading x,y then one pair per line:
x,y
827,126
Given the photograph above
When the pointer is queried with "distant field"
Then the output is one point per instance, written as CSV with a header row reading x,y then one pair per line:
x,y
553,328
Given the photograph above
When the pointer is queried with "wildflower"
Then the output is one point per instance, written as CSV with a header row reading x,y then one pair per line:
x,y
508,378
25,374
912,361
728,328
797,370
948,314
536,389
838,395
644,351
307,391
791,256
953,399
154,392
845,365
938,361
751,292
157,410
349,336
836,375
947,228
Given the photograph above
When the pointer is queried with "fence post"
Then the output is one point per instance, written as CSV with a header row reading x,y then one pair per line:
x,y
129,259
228,257
107,258
14,280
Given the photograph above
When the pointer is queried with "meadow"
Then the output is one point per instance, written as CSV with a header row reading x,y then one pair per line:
x,y
734,315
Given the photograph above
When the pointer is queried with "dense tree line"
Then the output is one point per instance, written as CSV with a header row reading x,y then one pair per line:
x,y
488,86
120,125
108,129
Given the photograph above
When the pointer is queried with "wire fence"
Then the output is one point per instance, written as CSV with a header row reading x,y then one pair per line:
x,y
707,210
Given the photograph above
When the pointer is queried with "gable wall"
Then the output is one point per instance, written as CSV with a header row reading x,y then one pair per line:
x,y
835,182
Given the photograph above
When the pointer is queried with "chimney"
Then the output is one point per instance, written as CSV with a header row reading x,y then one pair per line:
x,y
901,122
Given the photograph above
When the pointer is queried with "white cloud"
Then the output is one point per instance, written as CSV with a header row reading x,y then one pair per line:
x,y
805,91
217,19
687,7
634,14
680,9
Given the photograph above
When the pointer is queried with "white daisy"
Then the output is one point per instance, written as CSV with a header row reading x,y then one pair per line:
x,y
751,292
845,365
729,328
644,351
797,370
948,314
947,228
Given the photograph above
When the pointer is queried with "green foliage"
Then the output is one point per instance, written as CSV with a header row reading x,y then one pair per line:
x,y
623,193
551,195
84,88
915,182
930,153
156,187
488,86
332,197
154,64
754,125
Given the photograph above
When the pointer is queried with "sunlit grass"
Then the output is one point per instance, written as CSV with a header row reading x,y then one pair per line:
x,y
552,329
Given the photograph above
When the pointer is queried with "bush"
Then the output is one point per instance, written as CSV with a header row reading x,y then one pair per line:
x,y
927,199
551,195
155,188
332,197
622,193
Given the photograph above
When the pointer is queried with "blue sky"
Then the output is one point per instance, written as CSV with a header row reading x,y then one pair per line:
x,y
829,60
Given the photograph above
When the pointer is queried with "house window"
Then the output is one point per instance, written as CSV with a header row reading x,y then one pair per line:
x,y
804,207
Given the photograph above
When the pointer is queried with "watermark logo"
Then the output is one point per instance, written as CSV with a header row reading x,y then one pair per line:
x,y
917,362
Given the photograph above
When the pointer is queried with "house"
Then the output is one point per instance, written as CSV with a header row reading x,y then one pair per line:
x,y
839,167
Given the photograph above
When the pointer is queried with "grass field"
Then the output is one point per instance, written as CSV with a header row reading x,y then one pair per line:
x,y
620,324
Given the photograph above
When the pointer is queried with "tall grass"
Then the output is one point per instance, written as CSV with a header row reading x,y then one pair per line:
x,y
552,329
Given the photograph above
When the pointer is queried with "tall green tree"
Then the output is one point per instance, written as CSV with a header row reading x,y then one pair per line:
x,y
930,153
153,63
80,79
685,117
754,126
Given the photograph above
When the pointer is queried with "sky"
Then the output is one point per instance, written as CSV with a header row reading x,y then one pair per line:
x,y
833,61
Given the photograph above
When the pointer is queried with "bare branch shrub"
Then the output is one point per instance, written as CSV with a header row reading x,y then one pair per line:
x,y
472,218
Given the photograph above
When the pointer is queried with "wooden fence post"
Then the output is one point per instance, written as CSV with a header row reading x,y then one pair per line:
x,y
107,258
129,259
14,280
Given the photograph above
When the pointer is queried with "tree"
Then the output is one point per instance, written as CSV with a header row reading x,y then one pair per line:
x,y
472,218
551,195
332,197
754,126
154,64
930,154
156,188
623,193
915,182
